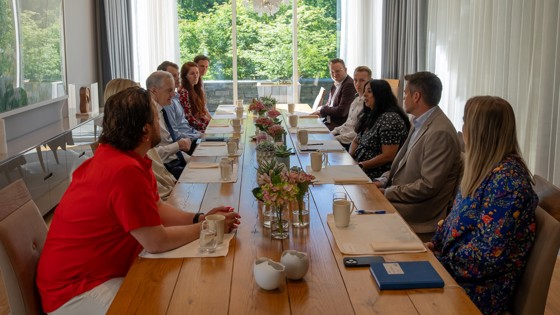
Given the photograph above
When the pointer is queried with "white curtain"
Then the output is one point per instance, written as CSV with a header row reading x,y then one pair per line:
x,y
509,49
155,35
360,41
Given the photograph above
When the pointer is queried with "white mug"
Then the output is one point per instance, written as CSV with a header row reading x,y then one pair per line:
x,y
239,112
236,122
293,119
302,136
317,159
291,108
218,222
240,103
237,129
341,212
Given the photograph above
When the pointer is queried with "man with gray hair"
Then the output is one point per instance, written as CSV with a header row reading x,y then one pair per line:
x,y
175,111
171,149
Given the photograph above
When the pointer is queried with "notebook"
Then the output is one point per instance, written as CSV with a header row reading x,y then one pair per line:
x,y
405,275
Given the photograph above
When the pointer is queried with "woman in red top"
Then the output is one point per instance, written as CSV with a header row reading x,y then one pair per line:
x,y
192,97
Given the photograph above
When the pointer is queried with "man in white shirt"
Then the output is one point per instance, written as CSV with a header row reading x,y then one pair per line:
x,y
345,133
170,149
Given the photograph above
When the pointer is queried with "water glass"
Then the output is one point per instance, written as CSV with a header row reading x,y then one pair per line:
x,y
208,235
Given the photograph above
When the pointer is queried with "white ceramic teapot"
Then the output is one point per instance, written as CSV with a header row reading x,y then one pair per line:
x,y
268,273
296,263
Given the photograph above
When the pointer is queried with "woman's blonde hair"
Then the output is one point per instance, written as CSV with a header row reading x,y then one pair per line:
x,y
115,86
490,135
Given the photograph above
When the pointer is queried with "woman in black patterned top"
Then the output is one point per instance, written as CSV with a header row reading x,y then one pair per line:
x,y
381,130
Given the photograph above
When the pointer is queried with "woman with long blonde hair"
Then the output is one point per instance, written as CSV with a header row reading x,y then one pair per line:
x,y
193,98
485,241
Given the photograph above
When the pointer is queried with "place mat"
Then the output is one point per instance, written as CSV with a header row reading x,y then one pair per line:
x,y
205,175
323,129
219,130
190,250
339,174
375,234
211,149
321,145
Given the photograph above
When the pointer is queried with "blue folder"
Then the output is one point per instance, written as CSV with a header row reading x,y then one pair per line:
x,y
405,275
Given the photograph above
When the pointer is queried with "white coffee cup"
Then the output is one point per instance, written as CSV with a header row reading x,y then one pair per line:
x,y
293,119
218,222
339,195
236,122
317,161
291,108
342,209
239,112
302,136
240,103
237,129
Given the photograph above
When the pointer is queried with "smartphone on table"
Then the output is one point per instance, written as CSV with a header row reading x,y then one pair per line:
x,y
361,261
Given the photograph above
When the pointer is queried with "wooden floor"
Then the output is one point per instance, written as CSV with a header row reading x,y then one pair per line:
x,y
552,303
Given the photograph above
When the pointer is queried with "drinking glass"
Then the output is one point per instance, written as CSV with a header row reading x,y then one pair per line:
x,y
208,241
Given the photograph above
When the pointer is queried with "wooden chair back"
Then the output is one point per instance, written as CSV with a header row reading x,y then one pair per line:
x,y
549,196
532,290
22,236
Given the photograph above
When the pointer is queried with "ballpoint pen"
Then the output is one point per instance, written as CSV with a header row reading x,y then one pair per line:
x,y
371,211
314,144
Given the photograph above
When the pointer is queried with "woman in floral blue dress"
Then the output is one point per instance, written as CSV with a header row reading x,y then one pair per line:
x,y
485,241
381,130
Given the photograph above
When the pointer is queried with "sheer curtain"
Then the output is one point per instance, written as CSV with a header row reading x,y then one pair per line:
x,y
361,26
508,49
155,35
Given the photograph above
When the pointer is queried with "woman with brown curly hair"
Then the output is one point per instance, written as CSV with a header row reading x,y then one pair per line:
x,y
192,97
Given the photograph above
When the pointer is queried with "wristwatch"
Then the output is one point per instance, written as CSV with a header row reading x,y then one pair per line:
x,y
196,217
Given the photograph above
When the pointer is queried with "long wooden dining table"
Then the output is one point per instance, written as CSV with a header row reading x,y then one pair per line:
x,y
225,285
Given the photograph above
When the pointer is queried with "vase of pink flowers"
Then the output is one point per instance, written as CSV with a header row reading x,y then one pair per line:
x,y
257,107
278,133
277,190
300,206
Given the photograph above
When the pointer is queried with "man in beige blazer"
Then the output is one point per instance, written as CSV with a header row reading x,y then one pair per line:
x,y
427,169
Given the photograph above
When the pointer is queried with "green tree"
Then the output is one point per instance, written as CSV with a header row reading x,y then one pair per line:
x,y
264,42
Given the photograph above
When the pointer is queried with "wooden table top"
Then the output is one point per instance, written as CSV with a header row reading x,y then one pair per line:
x,y
225,285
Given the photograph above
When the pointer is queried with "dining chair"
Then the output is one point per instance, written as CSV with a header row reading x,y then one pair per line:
x,y
532,290
394,83
549,196
319,99
22,236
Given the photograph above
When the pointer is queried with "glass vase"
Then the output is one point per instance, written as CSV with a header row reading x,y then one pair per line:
x,y
280,228
300,211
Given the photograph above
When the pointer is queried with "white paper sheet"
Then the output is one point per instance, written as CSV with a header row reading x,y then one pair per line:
x,y
191,250
339,174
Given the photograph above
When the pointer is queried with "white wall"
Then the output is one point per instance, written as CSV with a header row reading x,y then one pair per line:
x,y
81,41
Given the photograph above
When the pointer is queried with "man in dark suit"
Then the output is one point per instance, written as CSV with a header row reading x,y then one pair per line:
x,y
342,94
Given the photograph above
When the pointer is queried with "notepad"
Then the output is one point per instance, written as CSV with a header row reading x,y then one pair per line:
x,y
405,275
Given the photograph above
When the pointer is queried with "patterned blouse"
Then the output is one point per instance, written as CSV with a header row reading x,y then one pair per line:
x,y
388,129
199,123
485,240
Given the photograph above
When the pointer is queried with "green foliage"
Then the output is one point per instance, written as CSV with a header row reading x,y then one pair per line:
x,y
282,151
41,45
264,43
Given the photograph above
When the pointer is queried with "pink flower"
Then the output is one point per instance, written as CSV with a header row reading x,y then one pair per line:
x,y
275,130
273,113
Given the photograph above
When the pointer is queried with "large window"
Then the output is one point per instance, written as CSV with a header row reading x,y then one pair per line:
x,y
32,56
264,47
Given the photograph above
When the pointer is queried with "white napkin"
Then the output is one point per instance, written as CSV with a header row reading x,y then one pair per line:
x,y
191,250
339,174
202,165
